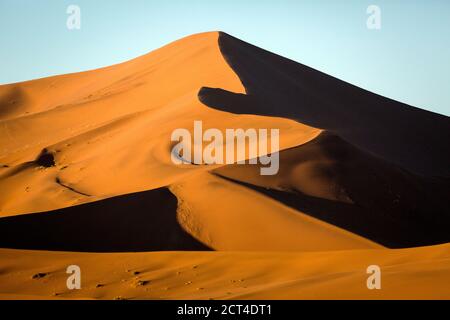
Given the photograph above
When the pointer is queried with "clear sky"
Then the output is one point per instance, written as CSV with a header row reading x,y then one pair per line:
x,y
408,59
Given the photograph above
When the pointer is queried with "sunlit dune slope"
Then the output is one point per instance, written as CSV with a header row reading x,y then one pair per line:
x,y
419,273
107,131
112,139
243,219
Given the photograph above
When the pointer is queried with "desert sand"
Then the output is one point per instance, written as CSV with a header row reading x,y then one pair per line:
x,y
86,178
420,273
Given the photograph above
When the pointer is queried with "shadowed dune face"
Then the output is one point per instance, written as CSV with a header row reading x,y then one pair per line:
x,y
331,180
145,221
85,166
275,86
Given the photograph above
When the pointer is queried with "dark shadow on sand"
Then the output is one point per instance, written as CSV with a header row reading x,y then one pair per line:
x,y
369,223
138,222
412,138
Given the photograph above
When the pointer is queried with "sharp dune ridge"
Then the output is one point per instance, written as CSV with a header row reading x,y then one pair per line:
x,y
276,86
85,170
331,180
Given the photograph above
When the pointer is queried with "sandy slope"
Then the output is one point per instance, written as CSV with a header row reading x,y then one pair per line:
x,y
113,138
117,117
257,223
329,179
421,273
85,166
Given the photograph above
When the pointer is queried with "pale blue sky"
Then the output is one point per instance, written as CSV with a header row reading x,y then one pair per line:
x,y
407,60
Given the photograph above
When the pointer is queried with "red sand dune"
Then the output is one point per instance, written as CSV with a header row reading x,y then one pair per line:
x,y
85,167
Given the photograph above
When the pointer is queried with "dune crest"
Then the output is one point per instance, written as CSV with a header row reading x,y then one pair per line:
x,y
86,169
94,122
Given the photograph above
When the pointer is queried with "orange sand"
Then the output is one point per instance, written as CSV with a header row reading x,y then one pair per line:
x,y
109,133
420,273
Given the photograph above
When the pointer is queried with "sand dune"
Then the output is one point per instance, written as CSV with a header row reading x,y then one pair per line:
x,y
275,86
419,273
118,117
331,180
256,222
85,166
